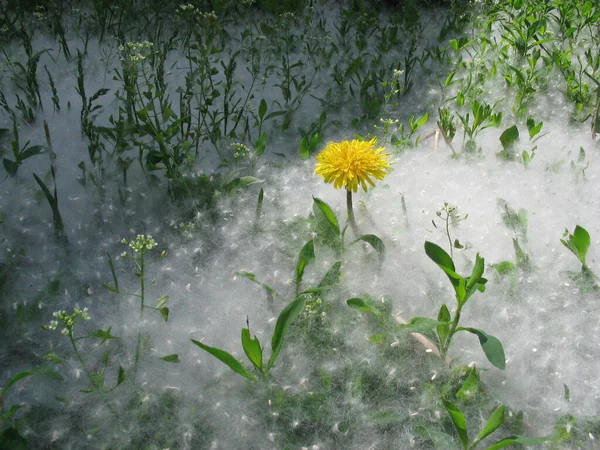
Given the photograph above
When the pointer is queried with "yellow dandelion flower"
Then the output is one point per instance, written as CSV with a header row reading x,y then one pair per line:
x,y
350,163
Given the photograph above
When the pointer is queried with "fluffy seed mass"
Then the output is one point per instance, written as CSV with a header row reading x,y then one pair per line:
x,y
348,163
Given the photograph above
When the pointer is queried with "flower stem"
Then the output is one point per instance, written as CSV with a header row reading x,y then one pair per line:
x,y
89,374
351,218
138,347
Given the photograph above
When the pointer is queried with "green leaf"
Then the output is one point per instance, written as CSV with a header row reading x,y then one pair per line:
x,y
10,439
120,376
307,256
581,239
332,277
110,288
439,256
494,422
578,243
226,358
31,151
505,267
475,282
304,148
104,335
11,167
262,109
509,138
444,330
567,393
241,182
471,386
523,440
252,277
162,300
361,305
252,348
286,317
43,371
491,346
164,312
52,357
532,128
97,380
174,358
260,144
421,324
326,212
459,421
375,242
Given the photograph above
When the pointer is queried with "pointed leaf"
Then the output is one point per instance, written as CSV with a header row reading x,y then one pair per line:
x,y
164,312
439,256
52,357
523,440
286,317
31,151
332,277
327,212
304,148
252,348
459,421
241,182
444,330
509,137
162,300
494,422
11,167
44,371
581,239
307,256
361,305
120,376
471,386
421,324
375,242
477,271
262,109
226,358
104,335
491,346
174,358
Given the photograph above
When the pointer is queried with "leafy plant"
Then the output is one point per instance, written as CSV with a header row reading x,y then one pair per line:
x,y
578,243
139,247
330,234
494,422
442,330
20,154
252,347
450,216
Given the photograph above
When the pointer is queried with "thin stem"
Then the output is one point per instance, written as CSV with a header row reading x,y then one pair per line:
x,y
351,218
446,345
448,233
89,374
142,286
138,347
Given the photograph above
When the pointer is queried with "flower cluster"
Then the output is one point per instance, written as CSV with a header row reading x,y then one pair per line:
x,y
67,320
134,52
240,151
141,244
350,163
